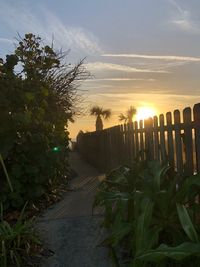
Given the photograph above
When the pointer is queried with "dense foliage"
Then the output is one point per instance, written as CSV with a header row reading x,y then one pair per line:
x,y
37,97
152,216
18,241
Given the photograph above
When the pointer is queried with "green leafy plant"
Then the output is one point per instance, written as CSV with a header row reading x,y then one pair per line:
x,y
16,240
151,214
36,105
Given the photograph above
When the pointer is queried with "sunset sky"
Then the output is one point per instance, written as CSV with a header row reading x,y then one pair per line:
x,y
144,53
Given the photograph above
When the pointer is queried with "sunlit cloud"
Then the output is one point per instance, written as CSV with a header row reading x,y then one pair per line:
x,y
157,57
120,79
101,66
124,96
20,19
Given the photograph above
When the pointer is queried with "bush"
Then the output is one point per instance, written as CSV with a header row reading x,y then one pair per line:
x,y
17,241
36,105
152,214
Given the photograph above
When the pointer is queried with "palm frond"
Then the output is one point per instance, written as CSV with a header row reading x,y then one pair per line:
x,y
131,111
106,113
122,117
96,111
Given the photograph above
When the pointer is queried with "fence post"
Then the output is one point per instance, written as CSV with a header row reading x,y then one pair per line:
x,y
162,139
170,142
179,151
141,124
187,140
196,111
156,139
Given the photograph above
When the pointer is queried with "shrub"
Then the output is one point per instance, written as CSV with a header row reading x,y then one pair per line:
x,y
35,107
17,241
152,214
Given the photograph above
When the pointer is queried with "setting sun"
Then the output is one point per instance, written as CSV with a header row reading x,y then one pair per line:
x,y
145,113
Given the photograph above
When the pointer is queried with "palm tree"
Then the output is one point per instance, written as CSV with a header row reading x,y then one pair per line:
x,y
100,113
128,117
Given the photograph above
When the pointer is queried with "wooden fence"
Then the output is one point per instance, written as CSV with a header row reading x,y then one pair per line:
x,y
174,138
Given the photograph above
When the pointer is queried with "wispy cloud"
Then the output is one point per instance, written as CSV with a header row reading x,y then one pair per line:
x,y
6,40
20,19
183,19
101,66
120,79
157,57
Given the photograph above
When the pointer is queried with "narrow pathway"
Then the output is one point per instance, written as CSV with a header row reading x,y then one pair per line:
x,y
69,229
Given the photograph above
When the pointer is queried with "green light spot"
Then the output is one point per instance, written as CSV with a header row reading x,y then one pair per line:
x,y
56,149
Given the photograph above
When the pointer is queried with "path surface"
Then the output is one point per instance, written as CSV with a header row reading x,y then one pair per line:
x,y
69,229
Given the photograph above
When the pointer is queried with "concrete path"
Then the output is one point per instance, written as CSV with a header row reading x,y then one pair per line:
x,y
69,229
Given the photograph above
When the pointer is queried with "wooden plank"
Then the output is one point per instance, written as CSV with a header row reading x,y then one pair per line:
x,y
151,140
142,153
170,142
131,143
117,132
196,111
126,156
148,123
136,138
156,138
106,155
162,139
122,145
109,149
187,142
146,136
178,142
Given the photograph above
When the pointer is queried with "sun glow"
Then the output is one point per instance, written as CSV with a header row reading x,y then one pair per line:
x,y
145,113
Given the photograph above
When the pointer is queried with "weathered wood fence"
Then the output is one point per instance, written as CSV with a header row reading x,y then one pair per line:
x,y
174,138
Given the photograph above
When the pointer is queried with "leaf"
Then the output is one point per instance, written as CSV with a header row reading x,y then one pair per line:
x,y
29,96
189,183
187,223
180,252
142,224
118,235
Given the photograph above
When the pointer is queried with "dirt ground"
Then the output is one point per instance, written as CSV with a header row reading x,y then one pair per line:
x,y
69,229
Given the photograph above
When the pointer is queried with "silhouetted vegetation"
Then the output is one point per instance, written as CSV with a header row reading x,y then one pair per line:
x,y
36,104
151,216
128,117
100,113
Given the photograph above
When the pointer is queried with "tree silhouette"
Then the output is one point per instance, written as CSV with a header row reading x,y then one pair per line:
x,y
100,113
128,117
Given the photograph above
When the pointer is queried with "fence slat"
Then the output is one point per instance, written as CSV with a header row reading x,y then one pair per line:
x,y
129,142
170,142
156,138
136,138
131,148
179,151
196,111
142,153
187,141
162,138
126,144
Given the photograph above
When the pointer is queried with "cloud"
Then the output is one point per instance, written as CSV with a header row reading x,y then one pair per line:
x,y
120,79
183,19
6,40
20,19
156,57
124,96
101,66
